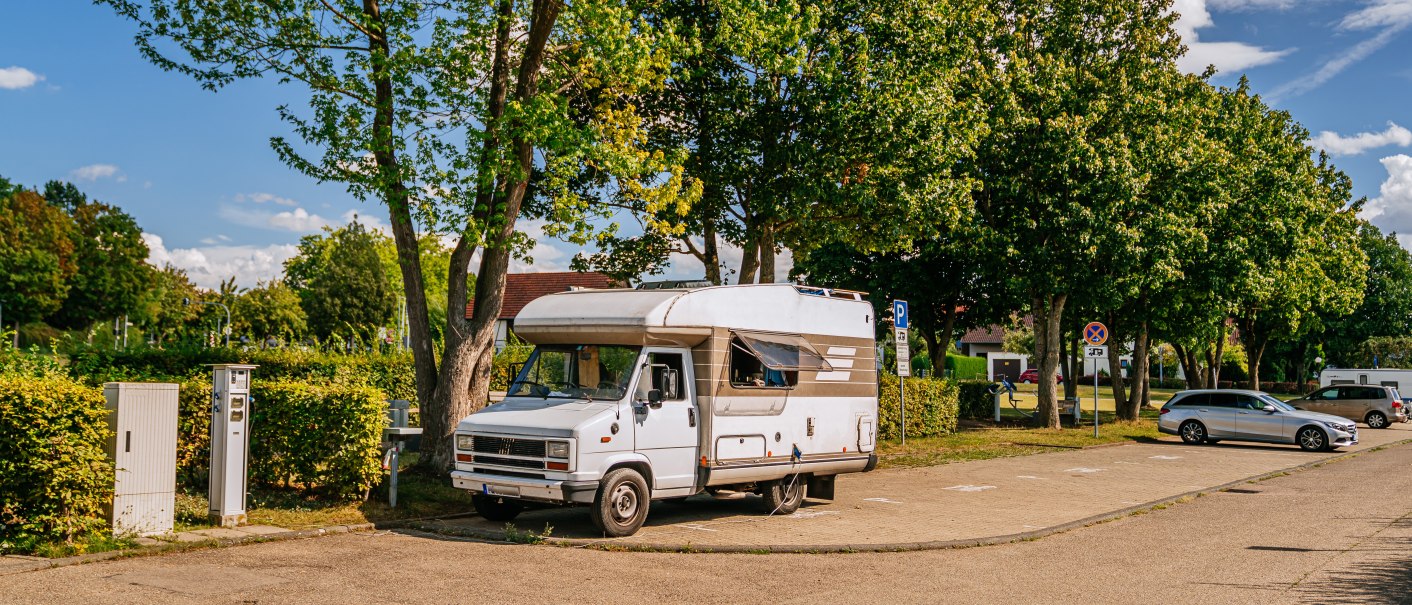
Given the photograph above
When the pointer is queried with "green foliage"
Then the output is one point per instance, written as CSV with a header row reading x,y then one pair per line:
x,y
931,407
975,399
514,354
391,374
161,313
341,282
960,367
1386,309
36,257
1383,352
194,433
54,475
112,272
316,436
270,311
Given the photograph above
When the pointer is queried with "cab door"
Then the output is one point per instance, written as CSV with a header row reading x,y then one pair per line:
x,y
666,430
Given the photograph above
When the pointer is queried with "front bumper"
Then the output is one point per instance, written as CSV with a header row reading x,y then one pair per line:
x,y
542,490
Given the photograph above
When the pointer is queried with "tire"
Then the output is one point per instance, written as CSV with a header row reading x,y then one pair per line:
x,y
496,508
1025,381
620,507
1312,439
1193,432
1376,420
783,496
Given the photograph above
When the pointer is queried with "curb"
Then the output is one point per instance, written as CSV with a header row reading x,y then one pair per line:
x,y
607,545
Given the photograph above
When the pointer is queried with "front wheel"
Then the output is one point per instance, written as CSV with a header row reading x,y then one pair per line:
x,y
620,507
1193,432
1312,439
1376,420
784,495
495,508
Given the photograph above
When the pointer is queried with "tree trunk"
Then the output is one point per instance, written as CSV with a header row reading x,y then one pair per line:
x,y
1115,367
929,337
711,255
767,255
404,234
1048,313
750,262
1070,349
1253,353
1190,369
1215,366
1142,364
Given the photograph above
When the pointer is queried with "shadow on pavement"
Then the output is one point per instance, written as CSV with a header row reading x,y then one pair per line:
x,y
1384,579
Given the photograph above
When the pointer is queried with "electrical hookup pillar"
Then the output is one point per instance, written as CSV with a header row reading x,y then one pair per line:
x,y
230,442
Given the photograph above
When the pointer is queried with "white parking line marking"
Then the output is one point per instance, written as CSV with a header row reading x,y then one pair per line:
x,y
1026,477
698,527
1084,469
881,500
970,488
810,514
1165,457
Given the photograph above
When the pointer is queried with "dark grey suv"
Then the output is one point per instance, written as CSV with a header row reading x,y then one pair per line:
x,y
1374,405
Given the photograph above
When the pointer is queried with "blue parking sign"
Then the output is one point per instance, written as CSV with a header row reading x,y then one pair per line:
x,y
899,314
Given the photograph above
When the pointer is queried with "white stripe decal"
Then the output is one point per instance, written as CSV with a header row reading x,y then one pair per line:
x,y
840,363
844,351
833,376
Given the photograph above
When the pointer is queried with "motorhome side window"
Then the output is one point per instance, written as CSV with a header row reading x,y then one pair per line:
x,y
664,373
748,371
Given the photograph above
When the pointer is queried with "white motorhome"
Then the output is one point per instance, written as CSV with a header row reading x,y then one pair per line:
x,y
1381,377
638,395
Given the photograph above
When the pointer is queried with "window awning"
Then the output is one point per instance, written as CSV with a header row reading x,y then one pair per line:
x,y
784,352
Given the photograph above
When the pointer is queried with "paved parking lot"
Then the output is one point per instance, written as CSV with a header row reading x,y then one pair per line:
x,y
973,501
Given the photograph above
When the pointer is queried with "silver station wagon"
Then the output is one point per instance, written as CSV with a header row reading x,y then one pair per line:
x,y
1209,416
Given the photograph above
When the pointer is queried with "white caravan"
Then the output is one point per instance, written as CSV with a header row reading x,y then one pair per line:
x,y
658,394
1388,378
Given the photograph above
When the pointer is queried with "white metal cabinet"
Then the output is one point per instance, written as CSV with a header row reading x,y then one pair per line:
x,y
143,446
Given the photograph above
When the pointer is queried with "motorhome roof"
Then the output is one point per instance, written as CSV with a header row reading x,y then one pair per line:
x,y
686,316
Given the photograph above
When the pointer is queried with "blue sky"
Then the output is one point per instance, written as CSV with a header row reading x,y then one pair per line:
x,y
196,170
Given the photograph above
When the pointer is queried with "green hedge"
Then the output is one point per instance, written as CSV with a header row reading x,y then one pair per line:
x,y
960,367
55,478
976,402
931,407
323,437
194,433
393,374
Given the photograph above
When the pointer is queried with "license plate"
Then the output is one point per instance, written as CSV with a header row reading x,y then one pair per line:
x,y
501,490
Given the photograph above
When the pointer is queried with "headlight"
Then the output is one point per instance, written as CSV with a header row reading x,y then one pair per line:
x,y
1336,426
465,442
558,449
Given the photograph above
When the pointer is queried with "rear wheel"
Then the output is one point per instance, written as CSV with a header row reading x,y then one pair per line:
x,y
1376,420
783,496
496,508
1193,432
620,507
1312,439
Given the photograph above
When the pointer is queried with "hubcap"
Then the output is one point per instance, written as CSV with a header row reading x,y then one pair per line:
x,y
1311,439
624,501
1193,432
1376,421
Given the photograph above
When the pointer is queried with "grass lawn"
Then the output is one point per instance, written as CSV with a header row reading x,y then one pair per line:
x,y
983,441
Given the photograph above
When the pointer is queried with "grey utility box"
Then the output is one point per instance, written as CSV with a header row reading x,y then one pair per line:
x,y
143,447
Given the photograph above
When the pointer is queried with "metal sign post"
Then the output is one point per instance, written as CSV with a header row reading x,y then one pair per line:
x,y
1095,334
904,358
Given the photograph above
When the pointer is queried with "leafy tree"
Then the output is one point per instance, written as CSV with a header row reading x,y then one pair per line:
x,y
110,257
36,257
442,111
807,123
270,310
1059,164
1386,309
341,284
160,312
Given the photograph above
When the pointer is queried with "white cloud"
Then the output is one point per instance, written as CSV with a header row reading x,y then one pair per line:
x,y
1226,56
298,220
93,172
371,221
1392,16
209,266
1338,144
1392,209
15,77
264,198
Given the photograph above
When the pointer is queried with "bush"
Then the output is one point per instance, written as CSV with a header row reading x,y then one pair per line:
x,y
323,437
55,478
393,374
959,367
931,407
194,433
975,399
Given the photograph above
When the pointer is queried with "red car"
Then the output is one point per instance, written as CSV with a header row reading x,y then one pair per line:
x,y
1031,376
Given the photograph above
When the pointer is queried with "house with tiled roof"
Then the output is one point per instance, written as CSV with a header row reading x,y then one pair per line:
x,y
521,288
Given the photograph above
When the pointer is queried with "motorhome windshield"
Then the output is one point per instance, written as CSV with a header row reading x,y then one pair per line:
x,y
576,372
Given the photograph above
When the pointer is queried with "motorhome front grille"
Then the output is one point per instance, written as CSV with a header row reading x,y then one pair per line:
x,y
505,473
516,462
507,446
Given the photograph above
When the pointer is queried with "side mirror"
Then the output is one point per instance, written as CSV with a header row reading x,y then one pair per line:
x,y
1269,409
654,398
